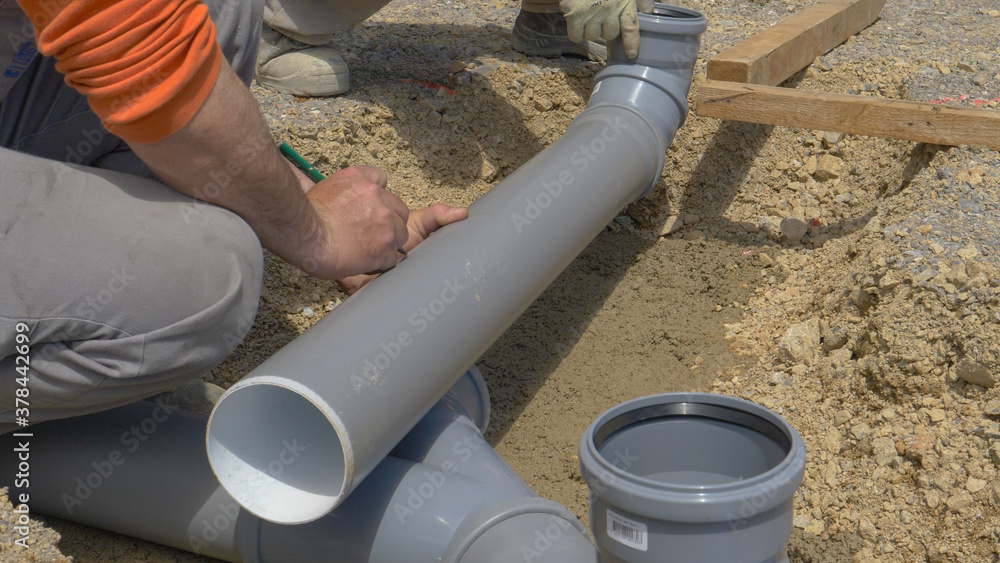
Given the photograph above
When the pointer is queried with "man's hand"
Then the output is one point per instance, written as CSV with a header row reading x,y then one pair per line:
x,y
420,225
363,224
605,19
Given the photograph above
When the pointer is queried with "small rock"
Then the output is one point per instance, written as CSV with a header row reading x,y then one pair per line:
x,y
830,138
867,530
943,480
779,378
543,104
975,373
694,235
842,416
672,225
816,528
974,485
992,407
308,311
884,450
822,64
960,501
979,281
917,445
793,229
801,521
690,218
811,163
996,493
841,356
834,337
966,67
890,281
861,298
937,415
487,171
827,168
304,131
995,454
968,252
457,66
624,220
801,342
957,276
933,499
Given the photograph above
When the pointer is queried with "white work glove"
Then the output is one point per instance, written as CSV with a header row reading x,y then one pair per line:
x,y
593,19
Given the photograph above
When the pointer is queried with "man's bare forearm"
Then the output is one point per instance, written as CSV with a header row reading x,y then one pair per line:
x,y
225,155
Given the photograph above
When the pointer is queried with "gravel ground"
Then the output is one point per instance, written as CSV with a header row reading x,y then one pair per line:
x,y
849,283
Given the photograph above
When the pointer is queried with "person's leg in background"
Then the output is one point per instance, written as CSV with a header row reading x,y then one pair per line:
x,y
126,287
540,31
297,55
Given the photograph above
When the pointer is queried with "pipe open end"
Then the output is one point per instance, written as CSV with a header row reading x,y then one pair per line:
x,y
277,453
691,457
669,11
692,445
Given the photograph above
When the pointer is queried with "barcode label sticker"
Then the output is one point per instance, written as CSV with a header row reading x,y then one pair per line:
x,y
628,532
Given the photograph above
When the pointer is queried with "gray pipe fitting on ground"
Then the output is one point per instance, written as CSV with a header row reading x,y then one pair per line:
x,y
691,477
357,381
443,496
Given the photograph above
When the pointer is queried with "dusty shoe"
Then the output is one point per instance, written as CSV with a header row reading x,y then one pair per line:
x,y
544,35
292,67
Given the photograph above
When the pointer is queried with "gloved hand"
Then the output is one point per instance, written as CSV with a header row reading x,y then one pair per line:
x,y
590,19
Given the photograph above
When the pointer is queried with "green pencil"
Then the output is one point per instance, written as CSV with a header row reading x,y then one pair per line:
x,y
300,163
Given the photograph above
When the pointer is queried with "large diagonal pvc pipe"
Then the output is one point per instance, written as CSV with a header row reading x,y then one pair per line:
x,y
443,496
352,385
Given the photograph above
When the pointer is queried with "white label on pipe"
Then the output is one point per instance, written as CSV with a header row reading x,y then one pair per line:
x,y
627,532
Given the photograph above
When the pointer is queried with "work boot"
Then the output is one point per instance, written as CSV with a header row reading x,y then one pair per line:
x,y
544,35
292,67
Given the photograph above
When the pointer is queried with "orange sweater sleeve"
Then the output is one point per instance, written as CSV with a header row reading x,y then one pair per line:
x,y
146,66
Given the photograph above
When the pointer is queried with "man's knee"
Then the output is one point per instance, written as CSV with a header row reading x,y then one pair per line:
x,y
236,259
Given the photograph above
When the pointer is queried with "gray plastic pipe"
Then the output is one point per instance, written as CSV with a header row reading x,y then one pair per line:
x,y
444,495
350,387
691,477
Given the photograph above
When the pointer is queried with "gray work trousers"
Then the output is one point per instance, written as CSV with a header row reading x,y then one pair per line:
x,y
120,286
315,21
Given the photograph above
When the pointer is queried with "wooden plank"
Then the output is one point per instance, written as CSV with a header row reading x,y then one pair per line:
x,y
860,115
773,55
